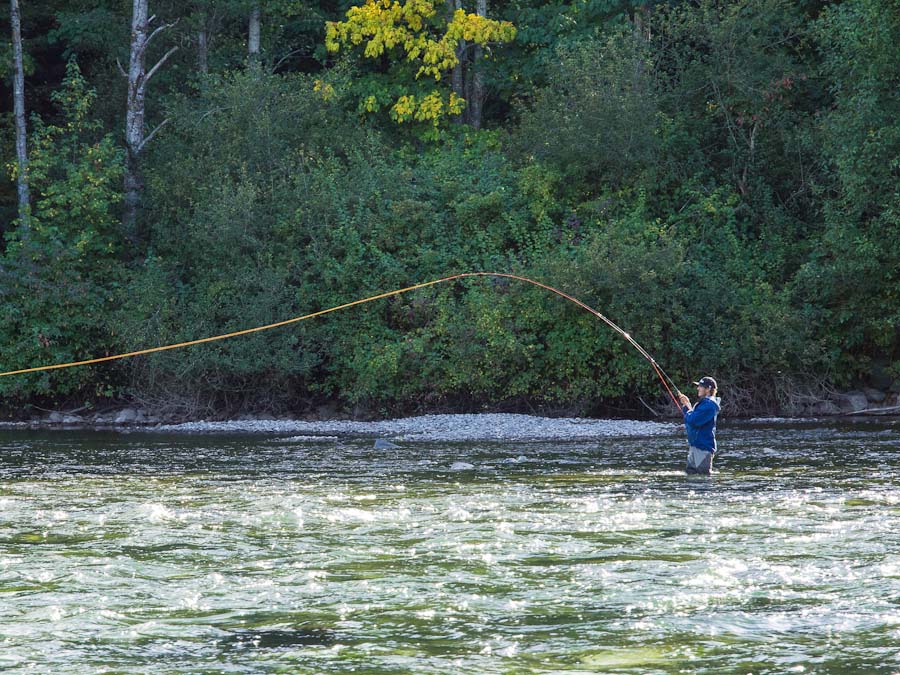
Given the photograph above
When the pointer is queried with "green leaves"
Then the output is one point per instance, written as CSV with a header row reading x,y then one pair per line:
x,y
60,277
853,278
601,103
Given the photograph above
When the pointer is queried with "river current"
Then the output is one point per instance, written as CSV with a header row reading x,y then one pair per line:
x,y
141,553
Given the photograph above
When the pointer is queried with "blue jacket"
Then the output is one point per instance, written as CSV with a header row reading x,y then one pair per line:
x,y
701,423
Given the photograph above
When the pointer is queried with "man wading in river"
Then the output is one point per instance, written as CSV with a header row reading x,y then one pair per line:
x,y
700,423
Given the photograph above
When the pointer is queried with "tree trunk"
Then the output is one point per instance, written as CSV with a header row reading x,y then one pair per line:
x,y
457,83
476,101
135,140
203,49
134,115
19,111
640,13
210,25
253,34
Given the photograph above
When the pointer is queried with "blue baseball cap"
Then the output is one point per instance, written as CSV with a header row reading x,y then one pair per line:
x,y
707,382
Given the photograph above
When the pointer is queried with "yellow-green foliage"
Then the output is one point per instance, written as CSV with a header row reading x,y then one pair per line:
x,y
414,32
432,107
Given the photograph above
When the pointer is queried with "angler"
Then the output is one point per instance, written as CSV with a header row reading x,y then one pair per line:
x,y
700,424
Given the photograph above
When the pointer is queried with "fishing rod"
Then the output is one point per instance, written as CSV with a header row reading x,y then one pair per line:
x,y
663,376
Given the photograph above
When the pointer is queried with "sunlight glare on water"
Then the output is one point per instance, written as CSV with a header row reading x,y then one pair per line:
x,y
248,554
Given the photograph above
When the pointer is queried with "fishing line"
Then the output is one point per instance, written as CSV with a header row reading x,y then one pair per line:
x,y
663,376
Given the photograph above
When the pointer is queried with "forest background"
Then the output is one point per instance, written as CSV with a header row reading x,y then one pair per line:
x,y
722,179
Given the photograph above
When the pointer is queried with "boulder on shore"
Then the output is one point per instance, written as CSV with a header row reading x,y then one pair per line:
x,y
825,408
875,395
853,401
127,416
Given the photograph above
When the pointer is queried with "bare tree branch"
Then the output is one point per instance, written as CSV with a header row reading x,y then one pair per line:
x,y
210,112
158,30
150,136
644,403
286,57
159,64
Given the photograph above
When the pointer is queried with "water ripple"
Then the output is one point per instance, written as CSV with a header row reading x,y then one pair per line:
x,y
140,553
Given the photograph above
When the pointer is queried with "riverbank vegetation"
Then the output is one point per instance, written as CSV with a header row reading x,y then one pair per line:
x,y
719,178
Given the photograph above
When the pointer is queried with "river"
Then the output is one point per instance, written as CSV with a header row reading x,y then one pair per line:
x,y
138,553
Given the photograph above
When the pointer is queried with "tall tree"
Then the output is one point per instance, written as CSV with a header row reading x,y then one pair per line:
x,y
476,84
19,111
253,30
138,77
414,49
203,45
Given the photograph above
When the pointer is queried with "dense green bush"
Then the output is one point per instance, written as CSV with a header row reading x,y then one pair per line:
x,y
59,277
850,283
596,119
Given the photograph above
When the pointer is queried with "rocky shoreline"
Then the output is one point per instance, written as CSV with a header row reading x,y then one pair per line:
x,y
452,427
866,401
328,419
455,427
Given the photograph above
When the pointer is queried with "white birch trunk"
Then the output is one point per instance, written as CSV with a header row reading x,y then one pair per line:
x,y
135,139
253,34
203,50
19,112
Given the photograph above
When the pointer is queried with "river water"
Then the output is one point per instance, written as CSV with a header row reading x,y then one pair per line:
x,y
139,553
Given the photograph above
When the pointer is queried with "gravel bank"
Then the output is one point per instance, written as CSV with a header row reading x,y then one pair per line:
x,y
476,427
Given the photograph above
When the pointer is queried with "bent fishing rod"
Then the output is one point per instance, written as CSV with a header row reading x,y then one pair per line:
x,y
663,376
